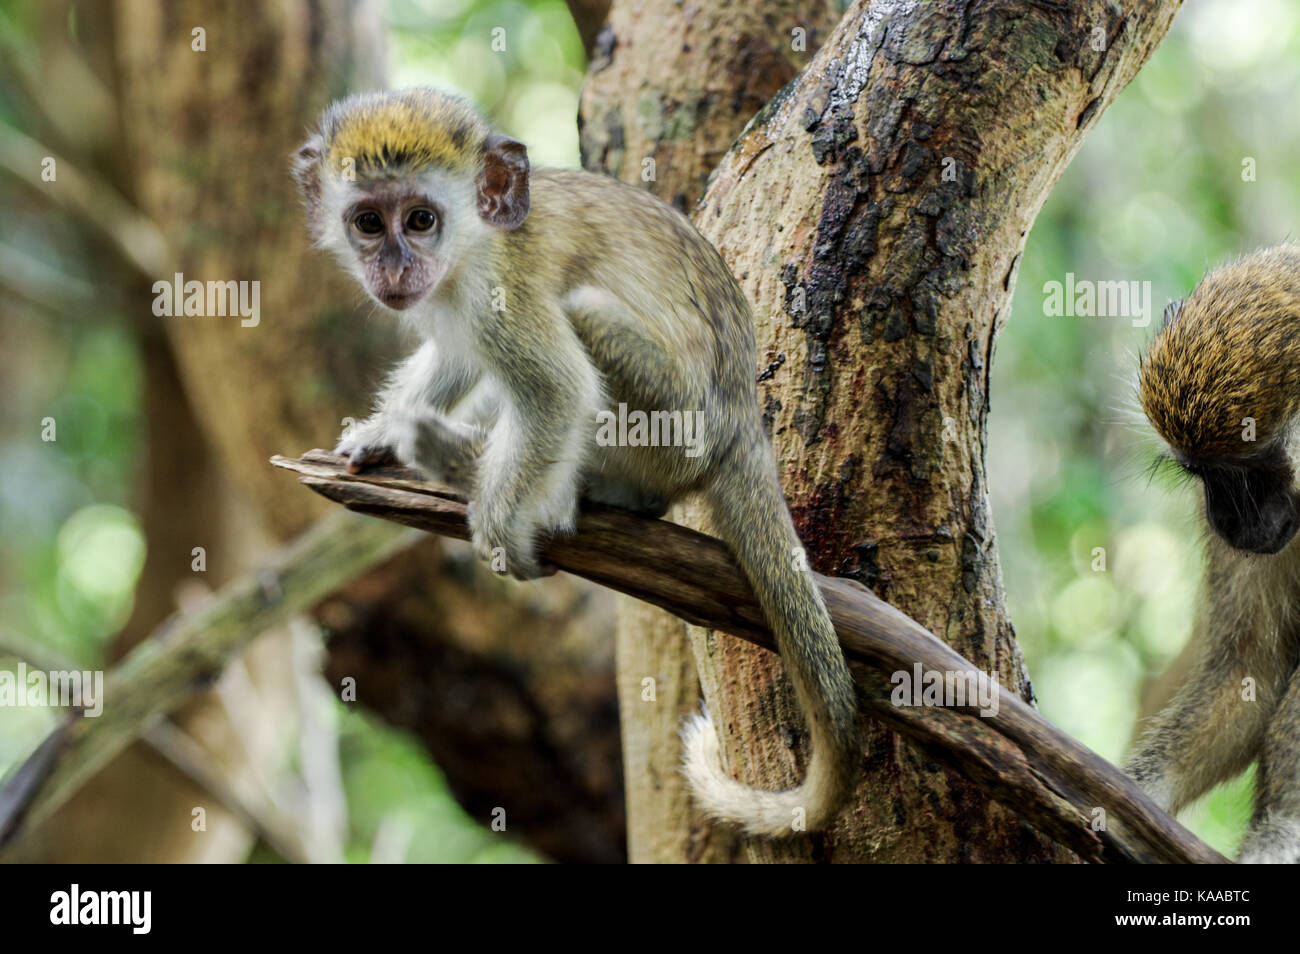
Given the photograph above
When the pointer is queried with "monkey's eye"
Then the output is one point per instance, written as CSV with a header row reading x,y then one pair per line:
x,y
1169,468
420,220
368,223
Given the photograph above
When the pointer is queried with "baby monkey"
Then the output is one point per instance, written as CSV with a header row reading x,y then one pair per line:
x,y
546,301
1221,384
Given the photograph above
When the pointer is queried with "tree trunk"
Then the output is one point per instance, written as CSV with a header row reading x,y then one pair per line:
x,y
676,85
875,212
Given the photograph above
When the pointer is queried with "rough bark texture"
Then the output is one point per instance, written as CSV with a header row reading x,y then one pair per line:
x,y
875,213
676,84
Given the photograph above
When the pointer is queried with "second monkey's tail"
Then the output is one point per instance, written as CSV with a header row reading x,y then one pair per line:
x,y
752,518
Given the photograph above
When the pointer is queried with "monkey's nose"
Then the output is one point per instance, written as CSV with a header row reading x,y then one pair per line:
x,y
394,273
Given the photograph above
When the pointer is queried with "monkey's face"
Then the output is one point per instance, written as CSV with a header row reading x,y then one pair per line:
x,y
396,231
406,188
1252,505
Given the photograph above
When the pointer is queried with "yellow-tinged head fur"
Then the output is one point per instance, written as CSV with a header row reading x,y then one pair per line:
x,y
404,130
1231,351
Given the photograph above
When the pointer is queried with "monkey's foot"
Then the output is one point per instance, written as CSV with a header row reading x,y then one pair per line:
x,y
508,548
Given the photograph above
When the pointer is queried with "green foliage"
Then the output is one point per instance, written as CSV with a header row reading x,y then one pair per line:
x,y
70,561
521,62
395,793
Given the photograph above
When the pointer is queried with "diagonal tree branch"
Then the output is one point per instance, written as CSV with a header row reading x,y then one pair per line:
x,y
80,192
185,655
167,739
1049,778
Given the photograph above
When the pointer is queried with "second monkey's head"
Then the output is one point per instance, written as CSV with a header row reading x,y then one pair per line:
x,y
1221,384
403,185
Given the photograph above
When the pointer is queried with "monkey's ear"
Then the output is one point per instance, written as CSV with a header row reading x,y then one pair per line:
x,y
306,172
503,182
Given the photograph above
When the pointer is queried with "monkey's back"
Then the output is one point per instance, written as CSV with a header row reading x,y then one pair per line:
x,y
682,338
682,292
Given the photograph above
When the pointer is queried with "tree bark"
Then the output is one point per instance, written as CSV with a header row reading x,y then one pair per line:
x,y
675,85
875,212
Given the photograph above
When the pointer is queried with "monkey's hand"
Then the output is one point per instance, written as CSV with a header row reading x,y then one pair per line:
x,y
367,443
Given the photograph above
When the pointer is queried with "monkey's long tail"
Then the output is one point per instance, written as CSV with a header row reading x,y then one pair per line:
x,y
754,521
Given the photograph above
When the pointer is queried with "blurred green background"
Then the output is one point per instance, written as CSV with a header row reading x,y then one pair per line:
x,y
1156,194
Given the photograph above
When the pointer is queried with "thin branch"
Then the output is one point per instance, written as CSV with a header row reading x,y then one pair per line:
x,y
1049,778
62,114
171,742
43,284
185,655
194,761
